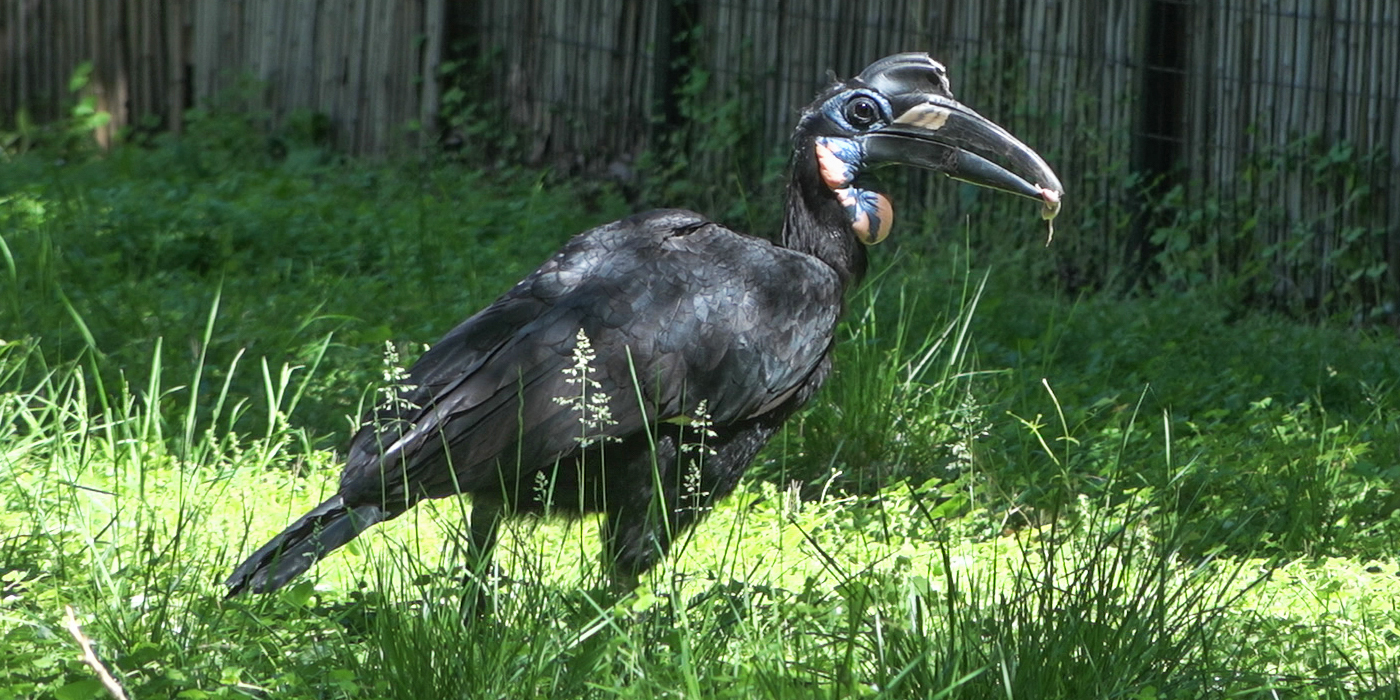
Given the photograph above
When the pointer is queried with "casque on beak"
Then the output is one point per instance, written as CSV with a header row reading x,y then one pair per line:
x,y
901,110
940,133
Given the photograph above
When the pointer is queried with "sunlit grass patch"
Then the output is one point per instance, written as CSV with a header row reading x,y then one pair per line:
x,y
773,595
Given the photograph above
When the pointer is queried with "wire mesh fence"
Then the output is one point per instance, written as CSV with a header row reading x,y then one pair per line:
x,y
1202,140
1206,140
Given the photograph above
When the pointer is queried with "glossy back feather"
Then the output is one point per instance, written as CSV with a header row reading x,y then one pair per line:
x,y
683,316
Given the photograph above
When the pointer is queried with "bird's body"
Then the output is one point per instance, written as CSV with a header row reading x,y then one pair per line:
x,y
636,373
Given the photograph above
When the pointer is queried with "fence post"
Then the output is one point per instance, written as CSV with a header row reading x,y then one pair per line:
x,y
676,21
1159,129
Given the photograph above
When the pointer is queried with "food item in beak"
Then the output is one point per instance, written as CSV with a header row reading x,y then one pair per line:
x,y
1050,210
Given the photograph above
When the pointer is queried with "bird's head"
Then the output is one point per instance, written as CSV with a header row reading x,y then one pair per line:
x,y
900,110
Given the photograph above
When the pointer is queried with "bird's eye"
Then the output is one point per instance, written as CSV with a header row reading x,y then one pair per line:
x,y
862,112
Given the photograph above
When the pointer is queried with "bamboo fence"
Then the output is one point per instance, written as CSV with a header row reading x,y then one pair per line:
x,y
1295,104
1276,121
577,77
134,48
360,62
370,65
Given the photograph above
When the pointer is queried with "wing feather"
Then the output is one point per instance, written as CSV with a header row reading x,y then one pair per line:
x,y
697,313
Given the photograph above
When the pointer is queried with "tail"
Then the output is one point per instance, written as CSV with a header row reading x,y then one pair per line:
x,y
314,535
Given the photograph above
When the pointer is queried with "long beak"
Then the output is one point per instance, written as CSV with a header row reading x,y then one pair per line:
x,y
943,134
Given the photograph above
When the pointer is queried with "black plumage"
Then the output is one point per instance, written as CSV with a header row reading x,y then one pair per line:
x,y
639,371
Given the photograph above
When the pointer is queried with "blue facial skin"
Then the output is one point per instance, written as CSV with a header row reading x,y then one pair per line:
x,y
835,110
840,161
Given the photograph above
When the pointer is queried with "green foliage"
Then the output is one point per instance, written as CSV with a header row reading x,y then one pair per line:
x,y
900,405
1284,434
773,598
475,124
1265,252
711,161
1010,494
66,138
109,255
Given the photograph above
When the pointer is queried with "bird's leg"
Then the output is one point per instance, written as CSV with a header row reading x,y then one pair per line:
x,y
623,578
485,525
633,542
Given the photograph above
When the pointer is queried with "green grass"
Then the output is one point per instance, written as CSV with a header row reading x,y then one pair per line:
x,y
1001,494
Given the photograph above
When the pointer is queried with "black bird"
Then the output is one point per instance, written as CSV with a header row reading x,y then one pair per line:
x,y
640,369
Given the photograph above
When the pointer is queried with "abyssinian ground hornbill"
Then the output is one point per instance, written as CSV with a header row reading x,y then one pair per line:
x,y
589,386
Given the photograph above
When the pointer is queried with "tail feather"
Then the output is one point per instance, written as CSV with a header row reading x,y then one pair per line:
x,y
314,535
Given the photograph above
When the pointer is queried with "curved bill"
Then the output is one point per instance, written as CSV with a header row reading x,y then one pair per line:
x,y
942,134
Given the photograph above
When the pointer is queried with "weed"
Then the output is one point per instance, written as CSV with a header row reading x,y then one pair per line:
x,y
1011,493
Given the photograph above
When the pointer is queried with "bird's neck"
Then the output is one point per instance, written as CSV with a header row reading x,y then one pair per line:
x,y
815,223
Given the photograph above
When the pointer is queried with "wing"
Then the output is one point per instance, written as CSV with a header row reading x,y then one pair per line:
x,y
651,318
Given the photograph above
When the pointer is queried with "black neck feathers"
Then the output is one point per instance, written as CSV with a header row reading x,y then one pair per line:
x,y
815,223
